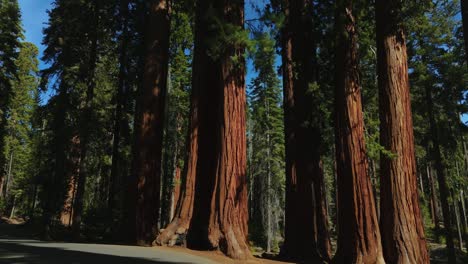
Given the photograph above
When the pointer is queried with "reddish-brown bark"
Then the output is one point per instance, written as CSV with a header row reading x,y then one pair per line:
x,y
150,119
220,215
306,230
1,186
177,188
183,214
73,168
358,227
66,213
401,225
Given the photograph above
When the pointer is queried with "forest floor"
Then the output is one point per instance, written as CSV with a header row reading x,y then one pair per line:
x,y
19,243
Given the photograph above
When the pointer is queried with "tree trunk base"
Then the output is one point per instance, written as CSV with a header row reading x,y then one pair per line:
x,y
174,234
230,242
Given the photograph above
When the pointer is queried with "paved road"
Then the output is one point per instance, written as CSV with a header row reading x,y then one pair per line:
x,y
26,251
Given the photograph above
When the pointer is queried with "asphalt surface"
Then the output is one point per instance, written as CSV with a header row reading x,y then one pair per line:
x,y
15,250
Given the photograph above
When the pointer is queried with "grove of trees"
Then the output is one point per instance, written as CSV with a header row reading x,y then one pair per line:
x,y
312,131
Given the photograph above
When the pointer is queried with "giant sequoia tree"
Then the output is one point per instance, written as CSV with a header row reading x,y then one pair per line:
x,y
149,125
401,224
306,230
358,228
182,122
219,218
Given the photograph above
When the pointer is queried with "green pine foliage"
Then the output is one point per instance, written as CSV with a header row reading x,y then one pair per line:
x,y
178,104
10,37
266,133
41,138
20,131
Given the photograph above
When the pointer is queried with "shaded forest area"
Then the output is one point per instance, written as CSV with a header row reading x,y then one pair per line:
x,y
320,131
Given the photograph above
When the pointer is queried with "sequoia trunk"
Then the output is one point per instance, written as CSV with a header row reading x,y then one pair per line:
x,y
180,223
305,210
401,225
66,214
220,207
149,126
358,232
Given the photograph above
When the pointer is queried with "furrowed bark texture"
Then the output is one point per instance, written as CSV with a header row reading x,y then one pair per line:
x,y
66,214
358,228
180,223
220,214
306,229
148,148
401,225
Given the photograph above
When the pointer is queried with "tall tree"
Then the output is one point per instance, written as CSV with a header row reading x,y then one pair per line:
x,y
358,228
306,229
10,34
267,162
439,80
149,124
89,71
120,117
178,104
19,128
220,215
402,231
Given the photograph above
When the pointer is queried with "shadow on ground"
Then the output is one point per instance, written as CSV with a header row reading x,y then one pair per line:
x,y
20,244
14,252
439,256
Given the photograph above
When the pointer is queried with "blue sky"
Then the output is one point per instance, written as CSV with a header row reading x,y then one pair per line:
x,y
34,15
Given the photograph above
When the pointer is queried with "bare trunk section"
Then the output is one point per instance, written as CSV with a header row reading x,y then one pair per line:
x,y
220,211
120,121
463,217
403,238
359,234
66,214
1,185
457,221
180,223
175,192
149,125
52,184
85,128
306,229
434,203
